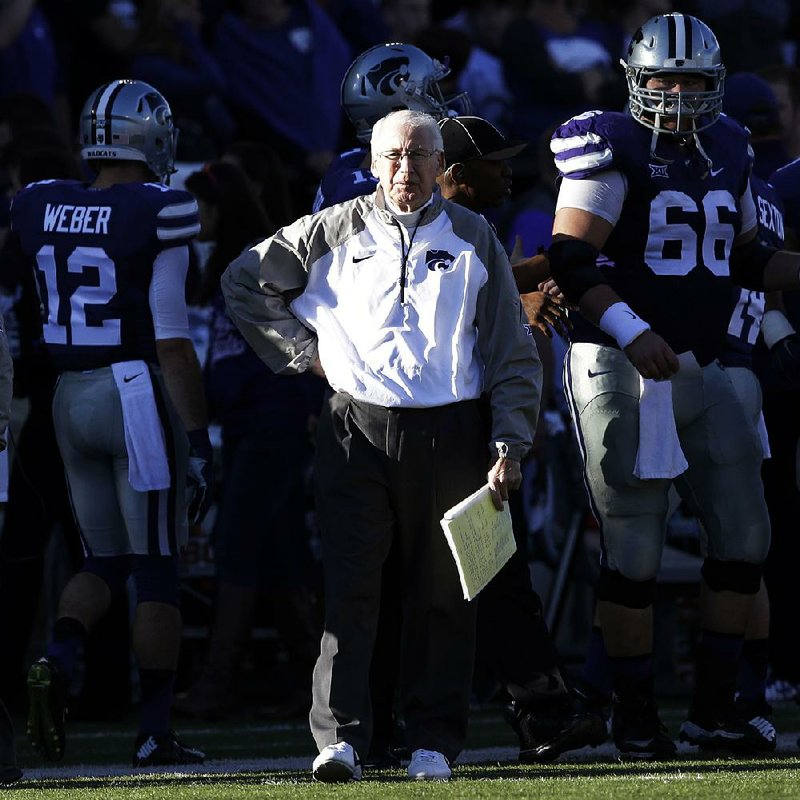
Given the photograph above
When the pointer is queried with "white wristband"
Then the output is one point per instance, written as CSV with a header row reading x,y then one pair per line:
x,y
622,324
774,327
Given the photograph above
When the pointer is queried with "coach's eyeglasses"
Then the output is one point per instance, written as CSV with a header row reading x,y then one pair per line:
x,y
414,156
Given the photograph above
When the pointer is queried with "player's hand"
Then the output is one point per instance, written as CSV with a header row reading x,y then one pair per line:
x,y
550,287
785,358
545,313
200,475
504,476
652,356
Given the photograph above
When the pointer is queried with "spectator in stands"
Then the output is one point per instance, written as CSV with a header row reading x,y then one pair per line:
x,y
751,101
28,61
283,61
750,32
556,66
170,53
266,176
785,82
474,73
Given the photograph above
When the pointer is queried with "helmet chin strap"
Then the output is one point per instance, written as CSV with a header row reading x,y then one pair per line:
x,y
689,135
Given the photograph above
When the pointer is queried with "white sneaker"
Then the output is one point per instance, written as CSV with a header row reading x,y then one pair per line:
x,y
337,763
429,765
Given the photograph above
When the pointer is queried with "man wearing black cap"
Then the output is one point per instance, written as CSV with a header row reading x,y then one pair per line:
x,y
478,176
511,626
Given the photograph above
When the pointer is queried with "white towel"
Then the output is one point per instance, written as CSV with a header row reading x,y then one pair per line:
x,y
144,437
659,454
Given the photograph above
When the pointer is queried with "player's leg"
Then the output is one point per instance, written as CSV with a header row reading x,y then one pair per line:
x,y
723,483
751,701
517,645
157,528
79,403
603,392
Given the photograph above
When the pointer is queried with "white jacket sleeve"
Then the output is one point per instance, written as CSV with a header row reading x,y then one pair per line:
x,y
258,287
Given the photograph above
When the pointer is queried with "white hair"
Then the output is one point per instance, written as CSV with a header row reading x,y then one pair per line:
x,y
407,118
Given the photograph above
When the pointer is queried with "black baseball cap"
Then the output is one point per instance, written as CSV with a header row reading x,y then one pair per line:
x,y
471,138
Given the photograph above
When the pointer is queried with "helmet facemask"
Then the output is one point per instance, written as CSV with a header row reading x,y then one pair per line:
x,y
675,44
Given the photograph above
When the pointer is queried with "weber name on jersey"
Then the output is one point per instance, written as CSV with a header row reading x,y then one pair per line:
x,y
94,252
671,245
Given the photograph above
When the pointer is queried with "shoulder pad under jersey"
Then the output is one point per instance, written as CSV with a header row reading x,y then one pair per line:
x,y
593,142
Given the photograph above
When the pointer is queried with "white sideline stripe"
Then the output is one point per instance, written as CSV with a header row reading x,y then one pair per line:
x,y
787,745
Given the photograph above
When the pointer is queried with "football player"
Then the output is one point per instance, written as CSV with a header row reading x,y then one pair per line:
x,y
110,256
655,221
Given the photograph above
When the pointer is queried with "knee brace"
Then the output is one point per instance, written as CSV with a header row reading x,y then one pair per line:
x,y
614,587
114,570
741,577
156,579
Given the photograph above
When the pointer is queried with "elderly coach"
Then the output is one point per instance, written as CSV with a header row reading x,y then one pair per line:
x,y
408,304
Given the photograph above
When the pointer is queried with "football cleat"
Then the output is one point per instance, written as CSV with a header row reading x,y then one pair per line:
x,y
166,750
548,731
638,732
757,716
47,707
724,731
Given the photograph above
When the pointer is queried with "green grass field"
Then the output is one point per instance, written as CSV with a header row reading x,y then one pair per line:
x,y
257,760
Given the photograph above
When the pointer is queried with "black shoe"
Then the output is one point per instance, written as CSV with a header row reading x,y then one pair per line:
x,y
47,705
554,728
757,717
638,731
160,751
724,730
9,774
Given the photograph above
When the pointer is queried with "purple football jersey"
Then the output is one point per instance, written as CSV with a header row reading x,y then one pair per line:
x,y
92,251
667,256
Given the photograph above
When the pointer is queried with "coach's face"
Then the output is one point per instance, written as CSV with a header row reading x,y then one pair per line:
x,y
407,164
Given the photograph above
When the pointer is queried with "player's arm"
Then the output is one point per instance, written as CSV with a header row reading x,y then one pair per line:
x,y
181,370
176,354
754,264
579,233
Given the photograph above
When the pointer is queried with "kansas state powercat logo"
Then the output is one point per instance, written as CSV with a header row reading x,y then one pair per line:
x,y
387,76
439,259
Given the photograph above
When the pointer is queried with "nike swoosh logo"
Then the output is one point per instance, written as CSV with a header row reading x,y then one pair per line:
x,y
129,378
362,258
715,172
602,372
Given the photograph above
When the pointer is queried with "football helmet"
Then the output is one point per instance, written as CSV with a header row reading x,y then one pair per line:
x,y
129,120
388,77
674,43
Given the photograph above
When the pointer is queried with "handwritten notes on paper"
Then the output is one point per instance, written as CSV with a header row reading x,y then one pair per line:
x,y
480,538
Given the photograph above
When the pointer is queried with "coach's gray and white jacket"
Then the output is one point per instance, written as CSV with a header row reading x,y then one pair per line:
x,y
330,284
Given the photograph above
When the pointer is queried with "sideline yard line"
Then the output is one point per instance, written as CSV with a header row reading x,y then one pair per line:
x,y
786,745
